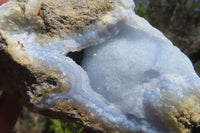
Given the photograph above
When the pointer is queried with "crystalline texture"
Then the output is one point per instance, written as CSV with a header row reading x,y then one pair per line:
x,y
132,78
145,76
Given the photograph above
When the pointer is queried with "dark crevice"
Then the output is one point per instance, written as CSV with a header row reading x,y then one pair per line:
x,y
195,130
77,56
52,81
2,40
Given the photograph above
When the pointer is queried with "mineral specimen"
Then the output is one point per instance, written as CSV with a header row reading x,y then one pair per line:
x,y
132,78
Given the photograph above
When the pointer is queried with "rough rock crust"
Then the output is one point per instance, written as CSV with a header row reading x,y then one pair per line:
x,y
187,115
35,85
66,16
